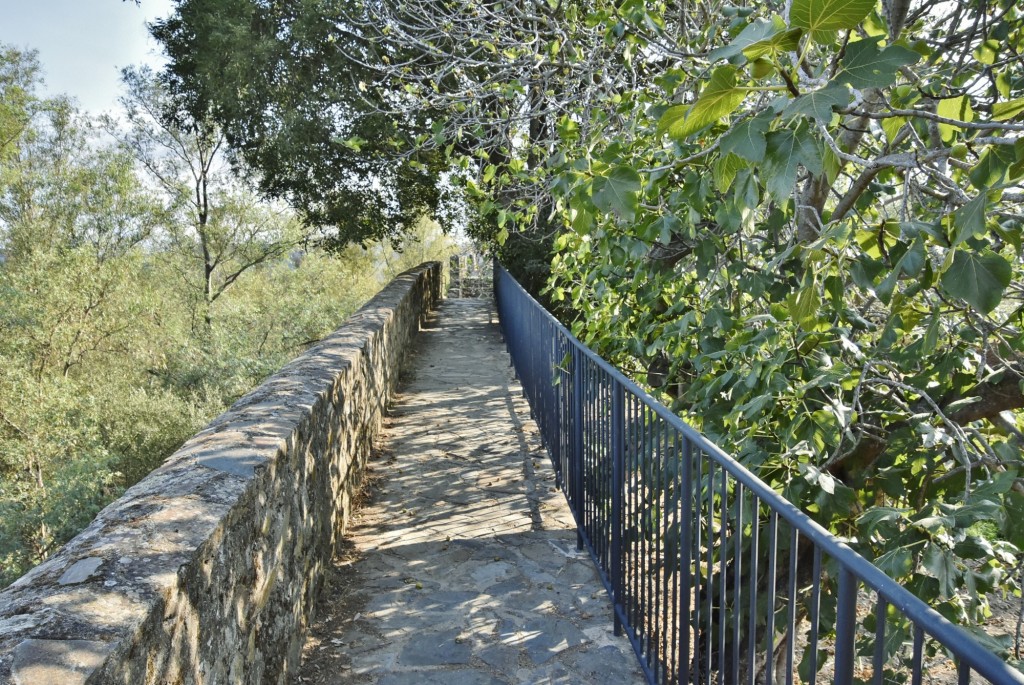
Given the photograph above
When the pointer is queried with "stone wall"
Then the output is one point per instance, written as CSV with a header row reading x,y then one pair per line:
x,y
207,570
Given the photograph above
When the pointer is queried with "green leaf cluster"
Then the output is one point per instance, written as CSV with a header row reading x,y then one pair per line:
x,y
819,265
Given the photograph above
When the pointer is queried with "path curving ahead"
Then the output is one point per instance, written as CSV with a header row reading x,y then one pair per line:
x,y
462,568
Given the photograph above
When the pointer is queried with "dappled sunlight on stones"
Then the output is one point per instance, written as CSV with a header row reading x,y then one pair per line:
x,y
447,677
81,570
436,648
467,569
543,638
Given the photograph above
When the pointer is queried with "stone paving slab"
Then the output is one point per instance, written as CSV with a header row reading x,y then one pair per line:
x,y
463,569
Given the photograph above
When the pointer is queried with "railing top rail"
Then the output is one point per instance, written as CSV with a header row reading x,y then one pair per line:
x,y
960,643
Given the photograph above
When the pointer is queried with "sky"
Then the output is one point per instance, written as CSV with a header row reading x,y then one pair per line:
x,y
84,44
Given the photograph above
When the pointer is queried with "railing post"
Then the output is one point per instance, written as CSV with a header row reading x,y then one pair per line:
x,y
618,478
576,453
555,410
846,626
685,558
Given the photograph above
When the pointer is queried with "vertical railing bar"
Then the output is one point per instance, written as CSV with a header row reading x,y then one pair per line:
x,y
559,413
601,453
672,495
584,402
589,453
588,449
577,446
593,451
645,559
677,458
794,546
657,627
598,454
608,385
676,529
644,555
918,660
636,510
607,464
878,664
599,449
526,373
627,521
635,494
569,409
815,614
557,408
846,626
773,525
645,548
618,481
639,547
548,422
685,580
723,508
755,550
601,463
653,630
649,553
560,403
963,673
664,529
698,478
669,572
557,402
737,584
710,566
601,467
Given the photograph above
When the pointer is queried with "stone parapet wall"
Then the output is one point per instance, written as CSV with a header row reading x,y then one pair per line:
x,y
206,571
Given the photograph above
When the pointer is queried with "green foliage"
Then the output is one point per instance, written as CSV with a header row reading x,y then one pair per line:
x,y
18,74
616,192
865,66
829,15
979,278
720,97
289,85
827,316
126,321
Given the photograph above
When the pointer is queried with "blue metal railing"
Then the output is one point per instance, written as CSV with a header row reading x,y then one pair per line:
x,y
713,576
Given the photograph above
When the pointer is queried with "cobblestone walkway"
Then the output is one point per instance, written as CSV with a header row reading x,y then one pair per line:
x,y
462,568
